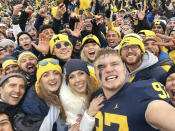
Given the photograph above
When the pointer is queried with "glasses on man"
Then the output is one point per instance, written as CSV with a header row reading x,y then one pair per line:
x,y
58,45
132,47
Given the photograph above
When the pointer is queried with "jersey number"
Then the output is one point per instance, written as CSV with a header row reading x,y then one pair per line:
x,y
159,87
112,118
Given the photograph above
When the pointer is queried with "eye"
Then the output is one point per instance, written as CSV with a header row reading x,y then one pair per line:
x,y
45,74
71,76
100,67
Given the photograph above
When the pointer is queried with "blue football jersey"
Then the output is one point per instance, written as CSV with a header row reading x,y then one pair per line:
x,y
125,111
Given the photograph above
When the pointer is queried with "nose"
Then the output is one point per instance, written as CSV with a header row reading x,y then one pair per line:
x,y
108,69
17,89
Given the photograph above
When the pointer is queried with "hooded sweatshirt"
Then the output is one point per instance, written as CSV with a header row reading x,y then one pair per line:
x,y
147,70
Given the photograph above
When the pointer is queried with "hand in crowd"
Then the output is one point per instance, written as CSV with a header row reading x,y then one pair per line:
x,y
75,127
43,12
60,11
29,9
77,29
141,13
170,43
43,45
95,105
17,9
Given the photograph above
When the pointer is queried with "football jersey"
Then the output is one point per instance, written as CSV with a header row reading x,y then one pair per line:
x,y
125,111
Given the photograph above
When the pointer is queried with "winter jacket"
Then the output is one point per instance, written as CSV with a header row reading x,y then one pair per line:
x,y
147,70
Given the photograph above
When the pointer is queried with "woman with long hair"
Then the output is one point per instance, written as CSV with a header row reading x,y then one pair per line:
x,y
76,91
43,99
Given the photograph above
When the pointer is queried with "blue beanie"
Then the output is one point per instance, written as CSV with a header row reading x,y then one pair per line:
x,y
74,65
150,17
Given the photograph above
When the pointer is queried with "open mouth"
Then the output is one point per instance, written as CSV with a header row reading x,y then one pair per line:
x,y
15,97
30,67
53,83
91,53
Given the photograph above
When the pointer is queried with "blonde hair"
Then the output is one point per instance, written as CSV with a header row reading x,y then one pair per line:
x,y
89,90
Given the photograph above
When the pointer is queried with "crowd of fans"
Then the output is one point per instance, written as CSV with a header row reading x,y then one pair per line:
x,y
54,56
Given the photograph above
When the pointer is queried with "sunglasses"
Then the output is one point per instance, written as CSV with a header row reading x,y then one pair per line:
x,y
43,63
58,46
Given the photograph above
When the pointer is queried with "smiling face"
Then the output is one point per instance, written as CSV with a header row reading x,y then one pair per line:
x,y
13,90
51,81
64,52
158,29
78,81
152,47
112,38
132,55
13,68
5,124
90,51
25,42
28,64
110,71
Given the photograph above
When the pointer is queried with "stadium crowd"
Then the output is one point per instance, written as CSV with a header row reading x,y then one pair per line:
x,y
85,65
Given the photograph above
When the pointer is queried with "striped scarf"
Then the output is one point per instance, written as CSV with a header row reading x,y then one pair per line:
x,y
50,119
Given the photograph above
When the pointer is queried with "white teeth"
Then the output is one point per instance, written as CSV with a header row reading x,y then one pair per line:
x,y
53,83
15,96
111,77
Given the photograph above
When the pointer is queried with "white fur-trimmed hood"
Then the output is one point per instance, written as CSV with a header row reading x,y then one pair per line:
x,y
73,104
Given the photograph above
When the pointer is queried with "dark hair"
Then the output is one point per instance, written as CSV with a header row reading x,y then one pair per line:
x,y
44,27
21,33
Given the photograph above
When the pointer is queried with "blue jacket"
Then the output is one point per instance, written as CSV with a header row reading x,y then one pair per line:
x,y
33,105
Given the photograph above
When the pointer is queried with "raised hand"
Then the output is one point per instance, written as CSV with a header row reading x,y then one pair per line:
x,y
17,9
60,11
95,105
43,45
170,43
141,13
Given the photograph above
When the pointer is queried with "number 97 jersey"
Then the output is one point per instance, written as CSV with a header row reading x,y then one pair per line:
x,y
125,111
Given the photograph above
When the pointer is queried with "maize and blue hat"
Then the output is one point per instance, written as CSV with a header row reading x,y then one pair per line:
x,y
45,65
9,60
58,38
25,53
131,39
89,38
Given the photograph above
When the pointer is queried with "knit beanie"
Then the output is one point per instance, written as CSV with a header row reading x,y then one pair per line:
x,y
74,65
8,60
4,78
5,42
29,28
147,32
160,23
57,39
89,38
116,30
25,53
170,71
48,64
131,40
21,33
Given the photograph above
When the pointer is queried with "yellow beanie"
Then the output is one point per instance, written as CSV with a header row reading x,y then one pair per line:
x,y
131,41
147,32
45,65
91,36
116,30
58,38
9,62
25,53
